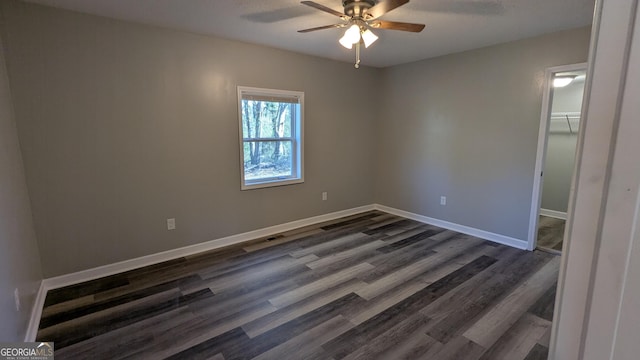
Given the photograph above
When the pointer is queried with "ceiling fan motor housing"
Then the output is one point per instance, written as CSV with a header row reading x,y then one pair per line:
x,y
357,8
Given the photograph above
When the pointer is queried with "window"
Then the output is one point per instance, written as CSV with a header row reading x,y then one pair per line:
x,y
270,137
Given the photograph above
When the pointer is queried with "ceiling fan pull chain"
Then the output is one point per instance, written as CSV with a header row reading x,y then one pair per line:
x,y
357,65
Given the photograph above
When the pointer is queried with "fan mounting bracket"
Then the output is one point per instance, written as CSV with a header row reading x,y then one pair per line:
x,y
357,8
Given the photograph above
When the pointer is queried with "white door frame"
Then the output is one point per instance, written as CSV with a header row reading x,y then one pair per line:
x,y
597,268
543,135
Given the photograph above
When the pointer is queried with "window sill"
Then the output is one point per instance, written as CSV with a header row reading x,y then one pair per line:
x,y
271,183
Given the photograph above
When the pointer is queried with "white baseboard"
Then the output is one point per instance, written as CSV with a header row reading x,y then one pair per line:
x,y
122,266
36,313
501,239
554,214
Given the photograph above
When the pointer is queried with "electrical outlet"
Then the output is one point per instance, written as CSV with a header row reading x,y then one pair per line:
x,y
16,296
324,195
443,200
171,224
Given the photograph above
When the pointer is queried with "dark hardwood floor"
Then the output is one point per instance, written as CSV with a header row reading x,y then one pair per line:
x,y
369,286
550,233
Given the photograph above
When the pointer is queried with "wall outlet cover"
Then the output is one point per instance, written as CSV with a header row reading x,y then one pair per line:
x,y
171,224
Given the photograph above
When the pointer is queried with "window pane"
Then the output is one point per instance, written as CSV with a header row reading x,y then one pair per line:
x,y
267,119
271,125
267,159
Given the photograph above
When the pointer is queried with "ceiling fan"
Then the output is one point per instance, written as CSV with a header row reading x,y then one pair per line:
x,y
360,16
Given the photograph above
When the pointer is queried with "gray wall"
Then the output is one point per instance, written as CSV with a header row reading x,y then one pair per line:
x,y
465,126
123,126
561,148
19,258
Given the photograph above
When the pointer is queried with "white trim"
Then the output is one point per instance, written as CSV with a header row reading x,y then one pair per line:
x,y
612,314
554,214
36,313
604,90
501,239
296,139
122,266
536,198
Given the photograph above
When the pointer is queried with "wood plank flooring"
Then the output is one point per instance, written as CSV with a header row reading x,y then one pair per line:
x,y
368,286
550,233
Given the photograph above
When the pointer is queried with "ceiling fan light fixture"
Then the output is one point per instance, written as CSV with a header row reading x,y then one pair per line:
x,y
344,41
360,16
369,37
351,36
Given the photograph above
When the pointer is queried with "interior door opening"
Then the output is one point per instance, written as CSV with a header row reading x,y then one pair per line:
x,y
555,163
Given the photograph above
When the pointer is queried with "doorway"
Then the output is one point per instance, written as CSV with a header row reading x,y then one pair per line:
x,y
555,161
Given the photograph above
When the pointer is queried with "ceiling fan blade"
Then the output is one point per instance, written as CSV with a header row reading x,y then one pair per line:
x,y
384,7
323,8
321,28
394,25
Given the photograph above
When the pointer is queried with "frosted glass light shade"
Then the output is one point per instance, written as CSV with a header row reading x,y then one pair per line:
x,y
351,36
369,37
344,41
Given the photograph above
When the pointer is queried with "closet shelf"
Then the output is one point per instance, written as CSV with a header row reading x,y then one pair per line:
x,y
564,122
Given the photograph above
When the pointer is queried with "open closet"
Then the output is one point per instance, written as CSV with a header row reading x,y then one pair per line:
x,y
557,174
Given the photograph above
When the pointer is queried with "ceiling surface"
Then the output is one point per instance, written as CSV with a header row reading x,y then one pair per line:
x,y
451,25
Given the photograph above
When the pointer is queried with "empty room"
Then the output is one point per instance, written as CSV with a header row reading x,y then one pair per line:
x,y
326,179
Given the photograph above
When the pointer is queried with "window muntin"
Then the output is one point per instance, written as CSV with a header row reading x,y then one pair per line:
x,y
270,137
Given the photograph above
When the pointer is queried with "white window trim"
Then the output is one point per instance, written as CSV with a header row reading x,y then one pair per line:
x,y
297,139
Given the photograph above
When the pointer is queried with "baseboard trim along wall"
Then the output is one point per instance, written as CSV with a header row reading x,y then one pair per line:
x,y
122,266
501,239
554,214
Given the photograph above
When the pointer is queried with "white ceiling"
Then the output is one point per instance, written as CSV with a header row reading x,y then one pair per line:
x,y
452,25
